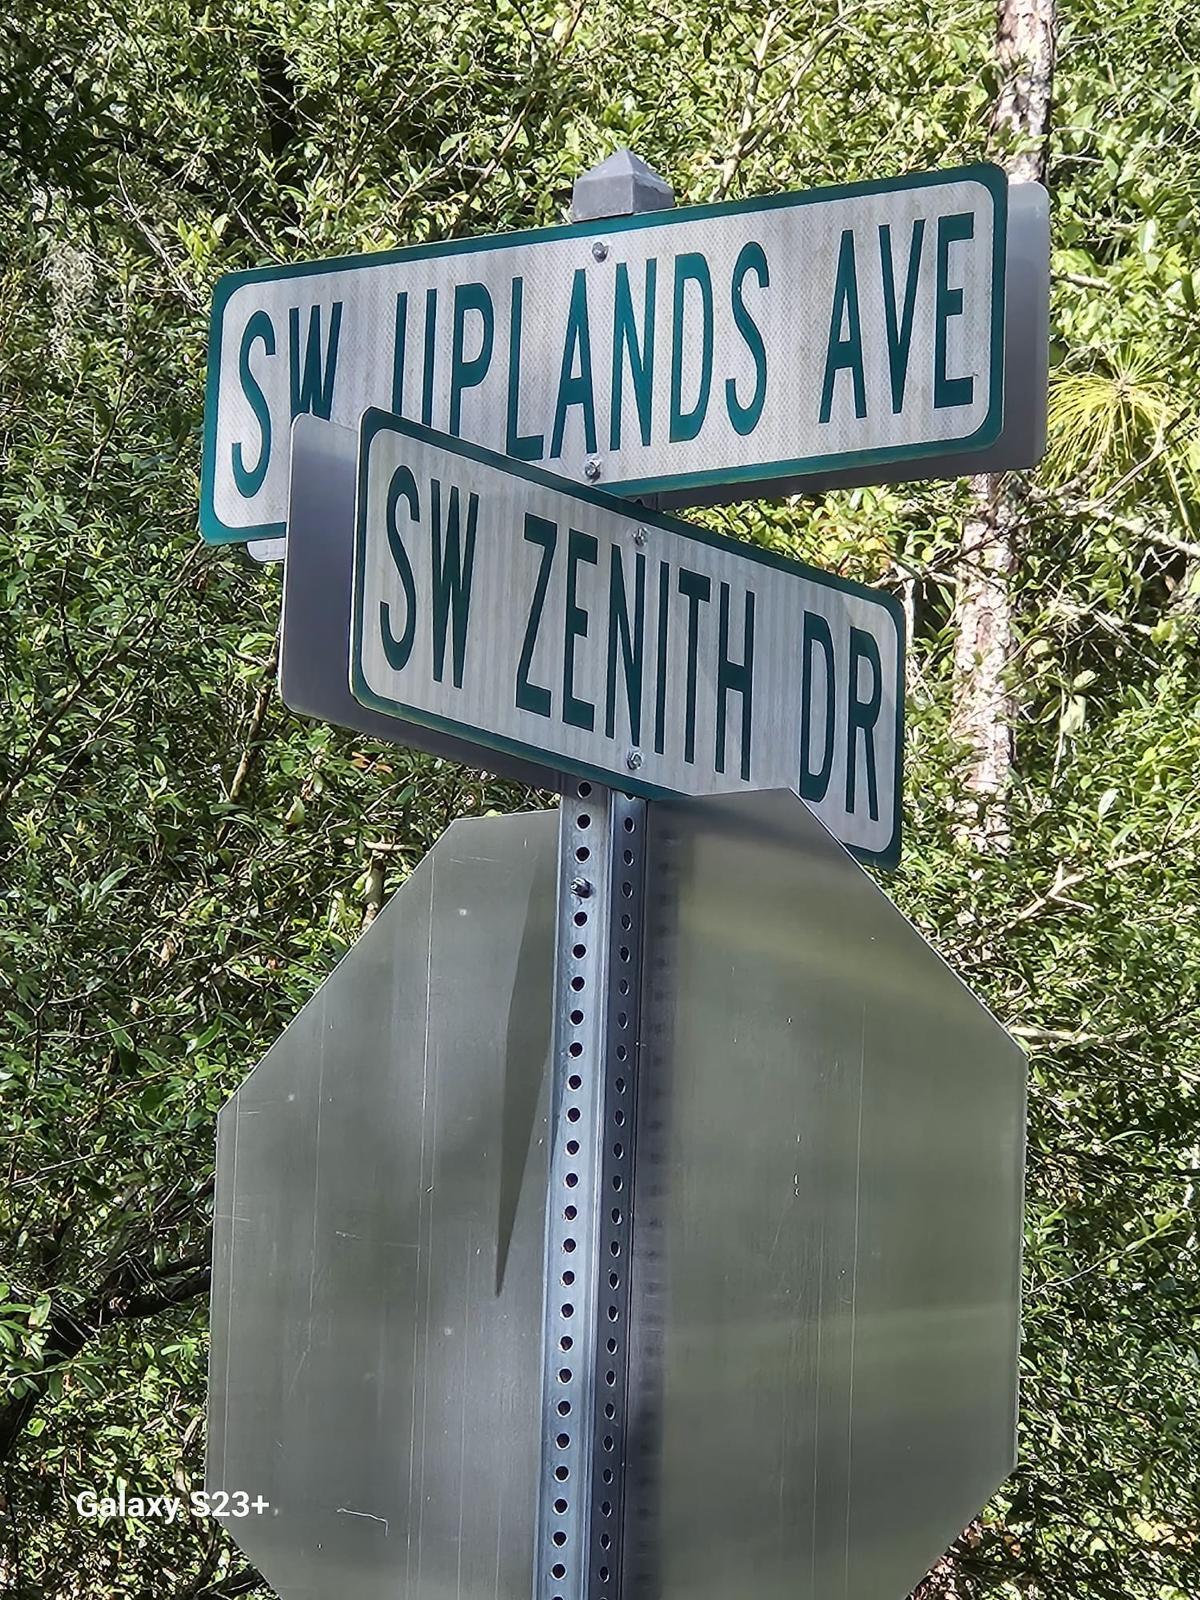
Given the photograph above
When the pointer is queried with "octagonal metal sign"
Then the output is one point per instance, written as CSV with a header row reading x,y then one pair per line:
x,y
377,1252
823,1168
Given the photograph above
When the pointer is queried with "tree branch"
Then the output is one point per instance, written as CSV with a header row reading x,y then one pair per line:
x,y
122,1297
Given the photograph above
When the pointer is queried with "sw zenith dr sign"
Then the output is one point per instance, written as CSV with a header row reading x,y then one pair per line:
x,y
706,352
501,604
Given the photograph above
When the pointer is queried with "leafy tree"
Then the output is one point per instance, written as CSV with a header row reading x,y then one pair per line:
x,y
183,860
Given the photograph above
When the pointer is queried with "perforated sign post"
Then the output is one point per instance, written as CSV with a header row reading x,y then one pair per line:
x,y
635,1213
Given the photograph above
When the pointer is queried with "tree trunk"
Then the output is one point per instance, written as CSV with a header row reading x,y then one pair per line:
x,y
983,710
988,560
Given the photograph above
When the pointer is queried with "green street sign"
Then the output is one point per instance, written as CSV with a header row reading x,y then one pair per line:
x,y
701,353
502,605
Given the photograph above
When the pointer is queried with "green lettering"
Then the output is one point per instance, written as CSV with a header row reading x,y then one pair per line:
x,y
397,651
470,374
861,717
815,784
576,389
531,696
431,296
452,574
629,640
660,682
249,480
899,331
641,358
691,268
842,353
751,258
735,678
948,303
399,342
313,379
529,446
696,590
581,547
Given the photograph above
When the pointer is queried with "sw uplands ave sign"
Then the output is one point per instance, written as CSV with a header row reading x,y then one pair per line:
x,y
671,352
501,604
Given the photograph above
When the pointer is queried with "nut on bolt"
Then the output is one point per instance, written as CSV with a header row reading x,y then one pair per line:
x,y
639,535
599,249
581,888
591,468
633,760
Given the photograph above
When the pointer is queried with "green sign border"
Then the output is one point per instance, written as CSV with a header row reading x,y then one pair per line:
x,y
375,422
213,531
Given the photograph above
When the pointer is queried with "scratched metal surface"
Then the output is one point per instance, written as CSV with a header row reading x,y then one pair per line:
x,y
827,1230
378,1245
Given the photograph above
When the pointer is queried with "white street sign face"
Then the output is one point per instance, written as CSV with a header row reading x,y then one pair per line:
x,y
501,604
672,351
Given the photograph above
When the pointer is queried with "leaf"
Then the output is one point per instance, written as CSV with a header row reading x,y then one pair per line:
x,y
1073,716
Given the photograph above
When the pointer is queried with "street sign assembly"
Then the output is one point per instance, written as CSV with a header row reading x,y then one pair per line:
x,y
555,622
550,1262
707,352
639,1218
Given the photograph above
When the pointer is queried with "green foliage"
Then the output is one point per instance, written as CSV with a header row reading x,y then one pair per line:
x,y
183,860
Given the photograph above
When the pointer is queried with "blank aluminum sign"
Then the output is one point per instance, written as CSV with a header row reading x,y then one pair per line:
x,y
498,603
711,349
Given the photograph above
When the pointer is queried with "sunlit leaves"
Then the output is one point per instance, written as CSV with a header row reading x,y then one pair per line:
x,y
156,933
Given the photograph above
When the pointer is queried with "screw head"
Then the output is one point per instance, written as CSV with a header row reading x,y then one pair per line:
x,y
633,760
599,249
591,468
581,888
639,535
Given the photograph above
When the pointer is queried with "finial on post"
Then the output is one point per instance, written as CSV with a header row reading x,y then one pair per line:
x,y
621,186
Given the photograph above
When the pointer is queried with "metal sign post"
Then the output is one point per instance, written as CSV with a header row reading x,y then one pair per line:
x,y
590,1193
594,1062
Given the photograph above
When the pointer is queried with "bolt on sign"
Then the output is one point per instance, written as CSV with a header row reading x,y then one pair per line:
x,y
501,604
706,352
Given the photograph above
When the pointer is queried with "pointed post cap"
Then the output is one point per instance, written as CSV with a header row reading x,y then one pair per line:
x,y
621,186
